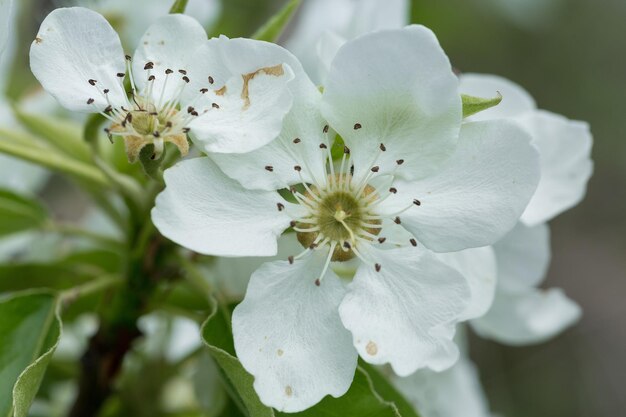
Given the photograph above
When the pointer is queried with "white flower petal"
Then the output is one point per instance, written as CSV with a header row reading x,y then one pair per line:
x,y
204,210
405,313
527,318
478,266
75,45
565,151
169,43
327,47
523,257
431,392
480,193
272,166
345,18
288,335
248,93
231,275
515,100
404,96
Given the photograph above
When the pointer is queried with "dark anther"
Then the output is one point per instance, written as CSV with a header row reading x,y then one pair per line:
x,y
90,101
211,80
190,109
215,106
318,282
375,168
204,90
280,206
382,147
397,220
92,82
183,72
413,242
129,117
417,202
325,130
151,78
323,146
377,267
128,58
400,161
357,126
382,239
105,91
156,134
149,65
346,150
297,140
186,129
153,113
194,113
297,168
121,74
352,170
292,223
153,157
269,168
168,124
393,190
168,71
108,109
346,245
186,79
313,246
290,259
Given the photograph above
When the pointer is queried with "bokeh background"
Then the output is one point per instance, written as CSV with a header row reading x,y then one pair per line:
x,y
571,56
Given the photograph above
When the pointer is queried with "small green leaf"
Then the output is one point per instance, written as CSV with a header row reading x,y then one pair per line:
x,y
473,105
61,134
19,213
178,6
151,166
30,328
273,28
217,336
388,391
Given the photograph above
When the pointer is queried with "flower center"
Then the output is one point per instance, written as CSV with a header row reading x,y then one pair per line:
x,y
340,216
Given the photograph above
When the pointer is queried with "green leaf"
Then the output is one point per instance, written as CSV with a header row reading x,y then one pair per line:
x,y
178,6
61,134
273,28
19,213
52,159
388,391
217,336
30,328
473,105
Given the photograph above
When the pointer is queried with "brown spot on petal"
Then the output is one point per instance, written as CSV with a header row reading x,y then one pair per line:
x,y
371,348
275,71
288,391
279,352
38,40
221,91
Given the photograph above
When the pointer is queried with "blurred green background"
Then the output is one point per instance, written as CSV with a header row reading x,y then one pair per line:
x,y
570,55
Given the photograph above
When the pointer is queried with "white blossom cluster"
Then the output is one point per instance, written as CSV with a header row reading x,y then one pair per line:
x,y
341,189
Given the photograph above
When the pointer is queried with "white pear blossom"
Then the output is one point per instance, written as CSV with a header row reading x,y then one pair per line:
x,y
218,90
322,26
522,313
408,168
